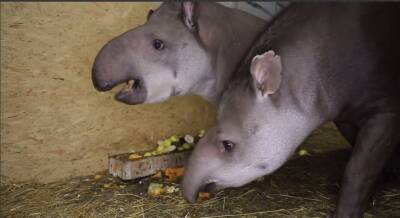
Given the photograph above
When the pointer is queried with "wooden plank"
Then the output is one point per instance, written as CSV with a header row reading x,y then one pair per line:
x,y
121,166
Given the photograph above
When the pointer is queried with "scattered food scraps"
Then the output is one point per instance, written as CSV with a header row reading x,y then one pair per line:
x,y
171,144
171,189
155,189
173,174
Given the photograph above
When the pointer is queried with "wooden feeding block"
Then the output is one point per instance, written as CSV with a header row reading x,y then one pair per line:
x,y
127,169
170,153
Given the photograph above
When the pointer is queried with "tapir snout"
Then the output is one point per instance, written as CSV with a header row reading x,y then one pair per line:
x,y
175,52
112,66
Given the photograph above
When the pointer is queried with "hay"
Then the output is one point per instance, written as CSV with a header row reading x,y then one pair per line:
x,y
305,187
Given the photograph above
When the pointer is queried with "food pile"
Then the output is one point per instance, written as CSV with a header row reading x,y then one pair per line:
x,y
171,175
173,143
165,181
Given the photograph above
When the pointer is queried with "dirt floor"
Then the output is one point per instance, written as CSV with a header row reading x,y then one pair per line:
x,y
306,186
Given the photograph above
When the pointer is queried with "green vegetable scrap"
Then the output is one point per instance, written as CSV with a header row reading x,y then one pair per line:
x,y
303,152
155,189
201,133
174,138
173,143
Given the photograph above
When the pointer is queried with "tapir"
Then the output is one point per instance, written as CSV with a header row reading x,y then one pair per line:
x,y
183,48
315,62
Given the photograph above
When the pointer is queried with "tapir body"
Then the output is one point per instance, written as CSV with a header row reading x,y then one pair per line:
x,y
315,62
183,48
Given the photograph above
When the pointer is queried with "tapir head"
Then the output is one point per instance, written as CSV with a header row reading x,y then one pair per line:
x,y
152,58
252,138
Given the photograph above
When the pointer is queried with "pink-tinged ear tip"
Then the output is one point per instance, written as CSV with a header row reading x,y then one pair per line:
x,y
267,55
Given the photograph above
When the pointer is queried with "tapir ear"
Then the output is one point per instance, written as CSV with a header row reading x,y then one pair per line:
x,y
188,8
266,71
149,13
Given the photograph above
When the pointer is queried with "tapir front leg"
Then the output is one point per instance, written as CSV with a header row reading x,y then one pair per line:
x,y
375,143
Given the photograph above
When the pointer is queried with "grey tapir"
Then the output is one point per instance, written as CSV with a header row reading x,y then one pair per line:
x,y
314,63
184,47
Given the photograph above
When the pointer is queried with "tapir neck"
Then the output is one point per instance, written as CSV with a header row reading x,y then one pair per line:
x,y
227,41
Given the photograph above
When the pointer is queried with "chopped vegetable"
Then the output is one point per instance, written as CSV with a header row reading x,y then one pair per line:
x,y
201,133
167,142
171,189
134,157
173,174
189,139
170,144
155,189
169,149
174,138
303,152
203,196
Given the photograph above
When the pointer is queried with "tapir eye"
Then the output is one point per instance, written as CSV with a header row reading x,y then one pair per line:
x,y
158,44
228,145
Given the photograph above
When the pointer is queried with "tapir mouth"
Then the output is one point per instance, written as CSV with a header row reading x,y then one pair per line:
x,y
134,92
211,187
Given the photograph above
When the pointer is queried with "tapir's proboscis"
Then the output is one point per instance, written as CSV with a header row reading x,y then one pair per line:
x,y
315,62
183,48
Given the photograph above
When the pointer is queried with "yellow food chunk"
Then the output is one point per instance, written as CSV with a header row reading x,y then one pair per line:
x,y
134,157
174,138
167,142
155,189
303,152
